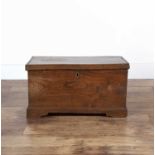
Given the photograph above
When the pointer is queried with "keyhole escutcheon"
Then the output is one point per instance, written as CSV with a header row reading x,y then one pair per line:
x,y
77,74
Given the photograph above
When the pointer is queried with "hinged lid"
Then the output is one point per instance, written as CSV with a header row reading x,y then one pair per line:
x,y
99,62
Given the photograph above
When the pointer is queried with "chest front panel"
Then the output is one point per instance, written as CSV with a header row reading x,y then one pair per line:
x,y
78,88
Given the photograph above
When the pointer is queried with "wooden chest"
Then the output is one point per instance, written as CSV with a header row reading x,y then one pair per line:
x,y
85,85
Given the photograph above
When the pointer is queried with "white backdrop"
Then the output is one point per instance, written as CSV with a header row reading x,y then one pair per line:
x,y
77,27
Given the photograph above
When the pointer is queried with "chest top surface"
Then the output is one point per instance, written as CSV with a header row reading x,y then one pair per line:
x,y
97,62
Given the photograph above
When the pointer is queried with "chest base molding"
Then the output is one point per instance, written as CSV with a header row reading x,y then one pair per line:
x,y
38,112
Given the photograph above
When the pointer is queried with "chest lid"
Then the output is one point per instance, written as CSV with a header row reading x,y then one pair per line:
x,y
97,62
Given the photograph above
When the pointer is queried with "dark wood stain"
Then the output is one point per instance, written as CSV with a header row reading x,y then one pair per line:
x,y
101,88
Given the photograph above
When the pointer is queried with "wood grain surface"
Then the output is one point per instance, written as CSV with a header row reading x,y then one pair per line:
x,y
77,135
77,91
